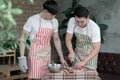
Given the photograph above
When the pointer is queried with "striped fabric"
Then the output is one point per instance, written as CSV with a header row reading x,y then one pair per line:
x,y
38,68
83,41
42,39
83,48
77,75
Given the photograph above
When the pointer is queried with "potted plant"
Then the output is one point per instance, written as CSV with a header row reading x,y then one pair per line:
x,y
9,37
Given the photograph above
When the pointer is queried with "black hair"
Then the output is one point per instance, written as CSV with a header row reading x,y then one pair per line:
x,y
51,6
81,11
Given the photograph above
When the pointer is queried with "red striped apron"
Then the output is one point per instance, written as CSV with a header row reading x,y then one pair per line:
x,y
39,54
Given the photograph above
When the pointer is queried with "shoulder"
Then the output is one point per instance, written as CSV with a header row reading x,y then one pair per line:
x,y
93,23
34,17
72,19
55,20
94,27
71,25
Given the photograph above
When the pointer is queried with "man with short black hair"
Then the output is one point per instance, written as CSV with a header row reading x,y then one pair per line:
x,y
40,28
88,39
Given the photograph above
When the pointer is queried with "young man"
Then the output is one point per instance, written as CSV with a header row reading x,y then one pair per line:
x,y
40,28
88,39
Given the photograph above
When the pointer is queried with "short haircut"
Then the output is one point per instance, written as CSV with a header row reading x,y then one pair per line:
x,y
51,6
81,11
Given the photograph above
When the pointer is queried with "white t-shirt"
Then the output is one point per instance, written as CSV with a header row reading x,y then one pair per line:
x,y
34,22
92,29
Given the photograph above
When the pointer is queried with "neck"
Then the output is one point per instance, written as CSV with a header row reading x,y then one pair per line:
x,y
43,15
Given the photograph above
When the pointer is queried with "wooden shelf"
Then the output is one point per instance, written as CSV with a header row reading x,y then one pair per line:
x,y
16,77
7,52
9,55
5,72
4,68
8,68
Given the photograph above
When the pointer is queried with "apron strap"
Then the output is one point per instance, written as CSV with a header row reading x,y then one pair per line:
x,y
40,21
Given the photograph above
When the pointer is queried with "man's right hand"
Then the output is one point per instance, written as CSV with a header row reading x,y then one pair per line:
x,y
23,64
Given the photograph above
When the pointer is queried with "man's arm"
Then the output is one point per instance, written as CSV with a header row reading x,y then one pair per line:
x,y
58,48
22,59
69,46
94,52
96,48
23,39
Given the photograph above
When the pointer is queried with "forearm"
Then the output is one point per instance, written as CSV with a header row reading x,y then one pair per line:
x,y
58,47
22,48
69,46
69,43
93,53
23,39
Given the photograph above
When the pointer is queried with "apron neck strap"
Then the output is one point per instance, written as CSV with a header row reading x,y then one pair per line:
x,y
40,20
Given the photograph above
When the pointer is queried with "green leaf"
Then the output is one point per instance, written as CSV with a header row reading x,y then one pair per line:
x,y
93,18
1,36
74,4
10,18
12,46
65,21
103,26
9,4
16,11
102,39
69,15
26,35
27,45
31,1
1,2
2,5
62,26
11,35
68,11
3,51
1,24
30,41
15,45
10,27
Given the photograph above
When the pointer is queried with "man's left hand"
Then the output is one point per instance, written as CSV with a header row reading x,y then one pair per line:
x,y
80,64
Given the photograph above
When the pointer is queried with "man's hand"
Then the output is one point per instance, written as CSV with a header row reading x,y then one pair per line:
x,y
62,60
71,57
23,64
80,64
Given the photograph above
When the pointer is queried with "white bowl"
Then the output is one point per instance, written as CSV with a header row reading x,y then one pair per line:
x,y
54,68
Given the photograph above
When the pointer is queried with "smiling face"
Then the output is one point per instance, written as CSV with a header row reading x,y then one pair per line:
x,y
82,21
